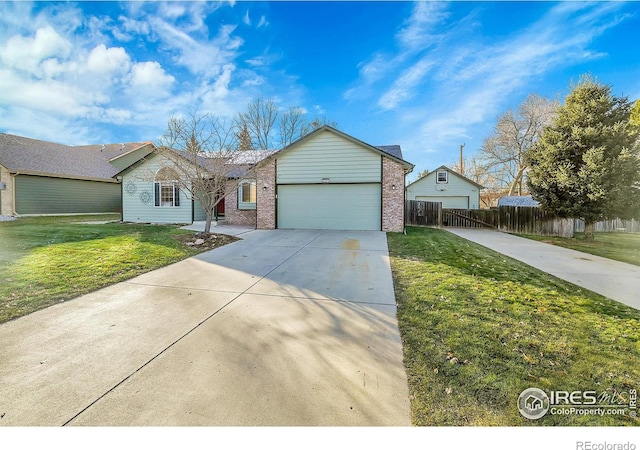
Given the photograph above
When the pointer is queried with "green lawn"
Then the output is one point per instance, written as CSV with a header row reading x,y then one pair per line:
x,y
478,328
623,247
45,260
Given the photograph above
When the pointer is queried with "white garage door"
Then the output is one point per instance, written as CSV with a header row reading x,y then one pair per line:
x,y
448,202
330,206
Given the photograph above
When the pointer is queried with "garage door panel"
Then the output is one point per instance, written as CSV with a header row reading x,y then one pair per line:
x,y
330,206
461,202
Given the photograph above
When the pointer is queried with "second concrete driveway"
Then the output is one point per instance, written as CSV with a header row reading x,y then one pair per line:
x,y
614,279
281,328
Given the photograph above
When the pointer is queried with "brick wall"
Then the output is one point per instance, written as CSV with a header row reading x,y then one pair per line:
x,y
232,215
266,214
392,199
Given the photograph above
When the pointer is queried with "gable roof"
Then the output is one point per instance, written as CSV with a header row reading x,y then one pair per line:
x,y
391,151
234,169
33,157
450,171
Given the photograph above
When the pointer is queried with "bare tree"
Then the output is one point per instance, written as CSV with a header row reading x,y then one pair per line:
x,y
293,125
503,153
422,174
205,158
260,119
268,126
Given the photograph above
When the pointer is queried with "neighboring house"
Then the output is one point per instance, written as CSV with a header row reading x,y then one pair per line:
x,y
448,187
38,177
518,200
325,180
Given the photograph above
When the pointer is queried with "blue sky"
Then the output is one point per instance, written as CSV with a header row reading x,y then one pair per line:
x,y
428,76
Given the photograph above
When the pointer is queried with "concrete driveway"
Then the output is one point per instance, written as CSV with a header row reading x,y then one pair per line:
x,y
616,280
281,328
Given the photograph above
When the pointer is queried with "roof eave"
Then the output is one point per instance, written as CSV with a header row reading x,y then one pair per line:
x,y
17,172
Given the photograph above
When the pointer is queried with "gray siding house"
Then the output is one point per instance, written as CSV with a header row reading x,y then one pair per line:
x,y
325,180
448,187
38,177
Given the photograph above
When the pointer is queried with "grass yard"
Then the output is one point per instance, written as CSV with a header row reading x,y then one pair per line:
x,y
45,260
478,328
623,247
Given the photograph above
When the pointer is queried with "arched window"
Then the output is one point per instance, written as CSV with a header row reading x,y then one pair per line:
x,y
166,192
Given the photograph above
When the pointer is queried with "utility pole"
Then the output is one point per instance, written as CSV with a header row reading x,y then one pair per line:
x,y
461,166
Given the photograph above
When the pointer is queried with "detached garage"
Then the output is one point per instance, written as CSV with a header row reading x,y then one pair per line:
x,y
447,187
330,180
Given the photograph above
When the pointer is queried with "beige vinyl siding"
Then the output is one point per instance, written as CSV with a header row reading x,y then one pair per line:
x,y
329,156
6,194
137,184
456,187
4,178
48,195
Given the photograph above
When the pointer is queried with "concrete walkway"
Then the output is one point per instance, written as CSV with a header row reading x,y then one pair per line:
x,y
280,328
616,280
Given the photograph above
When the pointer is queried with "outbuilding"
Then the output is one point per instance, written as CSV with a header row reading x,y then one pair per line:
x,y
448,187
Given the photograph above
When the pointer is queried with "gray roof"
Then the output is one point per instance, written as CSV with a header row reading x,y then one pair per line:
x,y
393,150
515,200
234,170
31,156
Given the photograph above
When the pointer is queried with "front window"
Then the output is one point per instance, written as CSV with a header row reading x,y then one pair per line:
x,y
442,176
247,195
166,192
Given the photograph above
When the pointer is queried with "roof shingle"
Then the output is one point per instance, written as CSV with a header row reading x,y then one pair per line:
x,y
21,154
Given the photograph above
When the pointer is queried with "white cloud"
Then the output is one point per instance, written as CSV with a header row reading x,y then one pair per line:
x,y
108,61
418,30
27,53
445,83
149,78
246,20
263,22
129,28
200,57
417,34
403,88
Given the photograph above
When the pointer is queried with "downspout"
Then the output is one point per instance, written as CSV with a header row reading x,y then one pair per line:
x,y
13,192
404,203
121,201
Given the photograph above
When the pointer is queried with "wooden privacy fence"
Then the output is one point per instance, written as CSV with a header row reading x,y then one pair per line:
x,y
513,219
470,218
617,225
529,220
427,214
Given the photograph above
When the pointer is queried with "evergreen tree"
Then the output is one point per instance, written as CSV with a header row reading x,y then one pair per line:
x,y
587,164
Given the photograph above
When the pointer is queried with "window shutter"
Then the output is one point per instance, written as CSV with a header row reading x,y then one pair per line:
x,y
156,187
176,195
